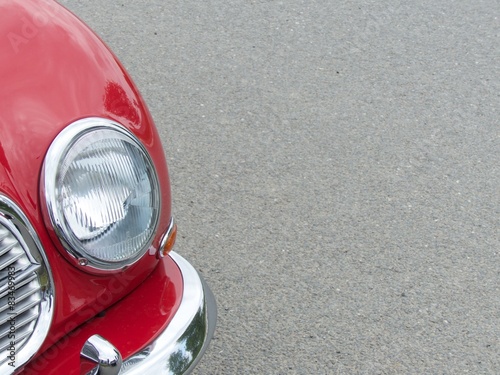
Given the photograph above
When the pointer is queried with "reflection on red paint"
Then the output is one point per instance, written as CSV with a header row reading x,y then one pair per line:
x,y
118,103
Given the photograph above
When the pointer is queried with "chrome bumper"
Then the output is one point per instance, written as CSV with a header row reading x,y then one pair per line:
x,y
179,347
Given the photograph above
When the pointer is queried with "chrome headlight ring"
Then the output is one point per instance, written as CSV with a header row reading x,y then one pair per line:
x,y
102,194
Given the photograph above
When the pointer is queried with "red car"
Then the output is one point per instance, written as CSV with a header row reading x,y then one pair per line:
x,y
89,284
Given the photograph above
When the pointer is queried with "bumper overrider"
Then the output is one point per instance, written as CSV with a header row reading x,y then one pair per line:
x,y
177,349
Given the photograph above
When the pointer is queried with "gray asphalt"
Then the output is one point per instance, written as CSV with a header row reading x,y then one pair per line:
x,y
335,175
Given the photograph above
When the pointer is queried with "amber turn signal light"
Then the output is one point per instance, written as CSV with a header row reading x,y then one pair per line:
x,y
168,240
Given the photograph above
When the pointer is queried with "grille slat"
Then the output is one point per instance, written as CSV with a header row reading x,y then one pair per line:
x,y
24,287
4,342
24,279
20,294
4,233
20,322
21,273
21,307
6,247
8,259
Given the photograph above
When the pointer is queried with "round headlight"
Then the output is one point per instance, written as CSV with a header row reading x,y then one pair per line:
x,y
102,193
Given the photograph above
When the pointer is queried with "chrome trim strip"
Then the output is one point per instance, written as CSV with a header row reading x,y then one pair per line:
x,y
179,348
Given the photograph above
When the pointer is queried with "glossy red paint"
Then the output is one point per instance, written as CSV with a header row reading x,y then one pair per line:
x,y
130,324
53,71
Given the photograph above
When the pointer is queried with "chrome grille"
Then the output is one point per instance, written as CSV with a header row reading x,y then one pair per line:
x,y
25,289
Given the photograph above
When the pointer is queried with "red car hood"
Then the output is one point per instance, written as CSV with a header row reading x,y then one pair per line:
x,y
53,71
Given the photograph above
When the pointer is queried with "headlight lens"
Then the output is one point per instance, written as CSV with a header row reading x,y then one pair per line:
x,y
102,193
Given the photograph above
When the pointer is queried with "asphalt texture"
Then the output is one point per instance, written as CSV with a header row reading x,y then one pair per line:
x,y
335,175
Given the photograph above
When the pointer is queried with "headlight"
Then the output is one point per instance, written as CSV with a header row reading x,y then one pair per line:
x,y
102,193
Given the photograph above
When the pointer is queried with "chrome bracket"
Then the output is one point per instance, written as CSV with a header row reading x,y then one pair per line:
x,y
99,357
